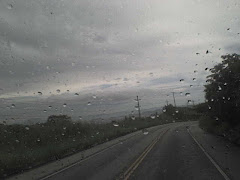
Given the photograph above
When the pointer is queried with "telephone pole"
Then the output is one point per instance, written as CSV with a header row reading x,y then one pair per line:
x,y
167,102
174,99
138,107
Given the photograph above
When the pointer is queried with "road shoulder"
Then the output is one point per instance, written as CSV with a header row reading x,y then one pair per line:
x,y
226,154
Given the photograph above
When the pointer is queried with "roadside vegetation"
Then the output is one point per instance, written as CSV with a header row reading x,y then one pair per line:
x,y
222,107
26,146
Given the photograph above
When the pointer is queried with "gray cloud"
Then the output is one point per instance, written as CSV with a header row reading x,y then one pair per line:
x,y
113,48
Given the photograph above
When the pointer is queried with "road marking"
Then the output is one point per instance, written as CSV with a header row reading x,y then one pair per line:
x,y
210,158
138,161
88,157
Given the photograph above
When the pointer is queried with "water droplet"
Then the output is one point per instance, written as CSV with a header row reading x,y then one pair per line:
x,y
9,6
219,88
72,110
47,67
153,116
209,107
50,107
94,96
17,141
44,110
195,71
27,128
176,111
187,94
76,94
225,84
80,117
145,131
181,80
64,105
38,140
206,69
133,117
194,79
181,93
191,86
39,93
64,128
164,110
212,100
58,90
115,124
89,104
13,106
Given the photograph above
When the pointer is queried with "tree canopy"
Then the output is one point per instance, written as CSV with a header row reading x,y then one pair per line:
x,y
223,90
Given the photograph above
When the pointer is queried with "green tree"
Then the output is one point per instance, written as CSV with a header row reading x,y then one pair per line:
x,y
223,90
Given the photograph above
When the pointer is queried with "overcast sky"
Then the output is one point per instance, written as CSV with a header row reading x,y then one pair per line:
x,y
116,48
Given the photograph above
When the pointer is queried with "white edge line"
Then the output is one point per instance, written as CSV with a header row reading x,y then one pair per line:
x,y
90,156
210,158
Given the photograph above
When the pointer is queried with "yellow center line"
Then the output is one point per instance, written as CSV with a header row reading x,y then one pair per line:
x,y
138,161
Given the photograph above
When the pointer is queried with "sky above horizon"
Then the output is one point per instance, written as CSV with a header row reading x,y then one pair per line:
x,y
84,50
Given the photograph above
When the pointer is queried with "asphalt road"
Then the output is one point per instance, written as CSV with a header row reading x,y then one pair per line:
x,y
164,152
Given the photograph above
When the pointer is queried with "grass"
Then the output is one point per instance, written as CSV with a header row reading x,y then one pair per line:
x,y
24,147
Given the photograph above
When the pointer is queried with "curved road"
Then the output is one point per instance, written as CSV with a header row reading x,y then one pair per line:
x,y
162,152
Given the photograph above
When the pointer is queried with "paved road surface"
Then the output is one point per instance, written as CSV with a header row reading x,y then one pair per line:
x,y
165,152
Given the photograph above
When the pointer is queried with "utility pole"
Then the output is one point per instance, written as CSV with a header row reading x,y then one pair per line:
x,y
138,107
174,99
167,102
193,102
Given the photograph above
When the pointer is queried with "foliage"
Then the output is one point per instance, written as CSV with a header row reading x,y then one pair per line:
x,y
26,146
222,90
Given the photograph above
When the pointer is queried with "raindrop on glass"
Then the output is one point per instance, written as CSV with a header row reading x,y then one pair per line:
x,y
145,131
181,80
115,124
153,116
9,6
58,90
89,104
187,94
64,105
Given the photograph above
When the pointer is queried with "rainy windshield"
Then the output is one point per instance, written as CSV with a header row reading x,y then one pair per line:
x,y
97,89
